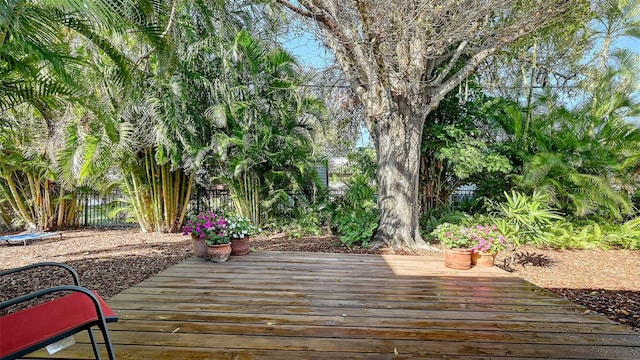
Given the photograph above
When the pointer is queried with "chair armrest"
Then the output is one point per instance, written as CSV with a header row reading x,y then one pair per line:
x,y
73,273
35,294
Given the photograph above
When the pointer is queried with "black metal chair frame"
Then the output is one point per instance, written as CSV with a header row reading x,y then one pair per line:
x,y
101,323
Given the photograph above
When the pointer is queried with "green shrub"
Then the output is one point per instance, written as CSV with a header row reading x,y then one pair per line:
x,y
572,235
625,236
452,235
434,217
355,216
590,234
303,220
356,226
525,219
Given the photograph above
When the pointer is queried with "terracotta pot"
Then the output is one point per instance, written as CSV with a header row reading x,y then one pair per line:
x,y
240,246
459,259
199,246
483,259
219,253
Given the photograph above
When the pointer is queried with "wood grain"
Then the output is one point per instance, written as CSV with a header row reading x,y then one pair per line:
x,y
277,305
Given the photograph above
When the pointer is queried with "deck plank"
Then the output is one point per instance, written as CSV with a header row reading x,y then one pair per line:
x,y
282,305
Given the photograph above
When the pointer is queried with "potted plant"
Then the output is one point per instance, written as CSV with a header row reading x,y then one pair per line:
x,y
486,242
208,236
456,243
239,229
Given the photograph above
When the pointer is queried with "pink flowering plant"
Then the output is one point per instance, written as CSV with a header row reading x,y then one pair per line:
x,y
486,239
209,226
453,236
478,238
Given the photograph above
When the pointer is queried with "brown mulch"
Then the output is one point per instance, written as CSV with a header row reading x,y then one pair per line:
x,y
110,261
605,281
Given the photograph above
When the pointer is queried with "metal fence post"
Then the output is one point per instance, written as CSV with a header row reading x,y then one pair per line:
x,y
86,210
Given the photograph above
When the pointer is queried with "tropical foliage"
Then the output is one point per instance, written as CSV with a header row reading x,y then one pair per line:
x,y
29,186
42,72
457,144
355,215
153,97
526,219
264,151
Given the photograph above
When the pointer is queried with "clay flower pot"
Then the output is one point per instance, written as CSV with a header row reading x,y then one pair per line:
x,y
459,259
483,259
199,246
219,253
240,246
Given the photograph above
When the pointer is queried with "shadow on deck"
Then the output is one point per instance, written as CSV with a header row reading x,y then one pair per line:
x,y
284,305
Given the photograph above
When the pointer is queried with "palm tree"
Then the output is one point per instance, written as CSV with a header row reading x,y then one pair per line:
x,y
39,63
265,150
47,49
584,159
153,130
614,19
580,163
29,184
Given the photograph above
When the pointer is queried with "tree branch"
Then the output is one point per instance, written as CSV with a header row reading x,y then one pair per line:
x,y
372,40
468,69
348,51
296,9
450,65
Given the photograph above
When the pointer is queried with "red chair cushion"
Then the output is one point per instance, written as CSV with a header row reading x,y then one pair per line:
x,y
41,322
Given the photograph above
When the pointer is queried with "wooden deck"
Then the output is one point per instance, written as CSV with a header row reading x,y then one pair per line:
x,y
277,305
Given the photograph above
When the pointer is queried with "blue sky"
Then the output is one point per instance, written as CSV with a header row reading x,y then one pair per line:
x,y
308,50
629,43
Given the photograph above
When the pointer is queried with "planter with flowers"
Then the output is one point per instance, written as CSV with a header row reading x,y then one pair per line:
x,y
456,243
208,236
239,229
486,242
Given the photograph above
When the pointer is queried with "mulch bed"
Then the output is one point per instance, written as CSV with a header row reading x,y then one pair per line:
x,y
618,305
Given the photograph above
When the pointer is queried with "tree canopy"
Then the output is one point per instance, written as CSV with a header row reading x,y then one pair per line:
x,y
401,58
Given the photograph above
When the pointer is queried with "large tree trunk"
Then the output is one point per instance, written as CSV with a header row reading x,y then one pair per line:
x,y
397,137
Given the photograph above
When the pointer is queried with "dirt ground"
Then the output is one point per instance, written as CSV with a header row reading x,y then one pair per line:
x,y
110,261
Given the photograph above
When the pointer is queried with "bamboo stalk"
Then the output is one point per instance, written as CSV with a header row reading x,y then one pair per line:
x,y
9,197
169,199
255,199
165,180
175,201
61,208
33,205
20,207
71,213
4,217
153,188
156,197
135,202
187,197
47,207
